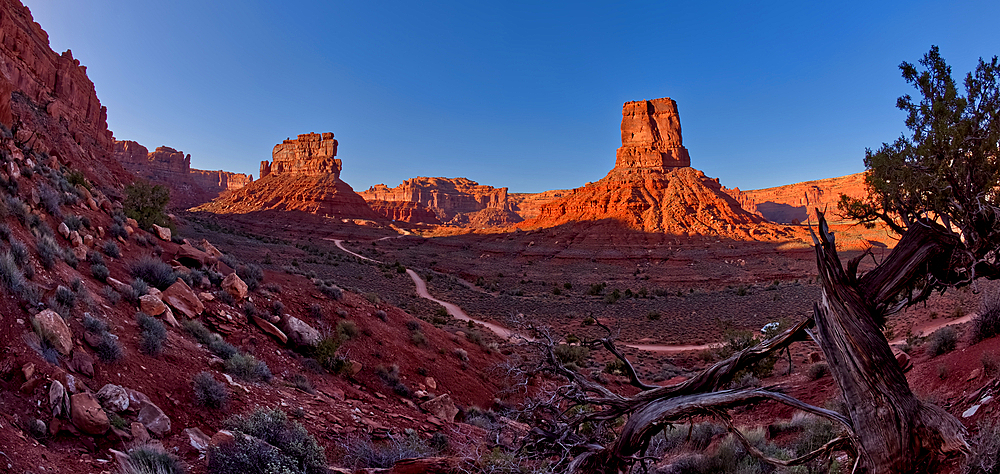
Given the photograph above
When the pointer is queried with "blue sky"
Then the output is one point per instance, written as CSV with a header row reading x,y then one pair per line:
x,y
526,95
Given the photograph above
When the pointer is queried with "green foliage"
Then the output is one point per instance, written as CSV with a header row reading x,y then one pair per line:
x,y
153,271
147,204
247,367
942,341
209,392
151,459
985,445
152,334
986,324
572,354
267,442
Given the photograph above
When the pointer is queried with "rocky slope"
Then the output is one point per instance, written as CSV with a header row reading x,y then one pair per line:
x,y
455,201
303,176
796,203
189,187
652,188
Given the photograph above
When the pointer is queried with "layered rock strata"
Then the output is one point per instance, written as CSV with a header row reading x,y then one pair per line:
x,y
302,176
797,203
652,188
453,200
172,168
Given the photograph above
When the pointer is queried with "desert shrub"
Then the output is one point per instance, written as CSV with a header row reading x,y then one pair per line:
x,y
77,178
49,199
390,376
413,325
136,289
302,382
461,354
10,274
251,274
277,307
110,248
19,251
70,258
147,203
347,329
100,272
5,232
485,419
331,291
111,296
48,251
151,459
596,289
18,209
570,354
326,354
209,392
73,222
117,230
144,240
360,452
942,341
817,370
418,338
267,442
985,445
153,271
152,334
316,311
95,258
197,330
108,348
653,315
381,315
225,298
986,324
247,367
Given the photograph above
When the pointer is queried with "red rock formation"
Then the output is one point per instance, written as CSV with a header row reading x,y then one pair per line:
x,y
452,199
311,154
404,211
303,176
796,203
50,100
189,187
651,136
652,189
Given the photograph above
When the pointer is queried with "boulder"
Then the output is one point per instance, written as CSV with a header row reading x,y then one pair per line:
x,y
168,316
162,232
183,299
59,400
75,239
191,257
151,305
222,437
88,240
118,285
270,329
154,419
80,252
198,439
82,363
441,407
139,432
136,399
903,359
87,414
54,330
210,249
64,230
300,333
113,398
235,286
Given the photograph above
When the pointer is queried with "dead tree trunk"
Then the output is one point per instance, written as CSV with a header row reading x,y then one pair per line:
x,y
897,432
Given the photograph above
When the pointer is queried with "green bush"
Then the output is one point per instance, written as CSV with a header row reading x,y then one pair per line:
x,y
571,354
942,341
986,324
152,334
153,271
209,392
247,367
361,452
147,204
267,442
151,459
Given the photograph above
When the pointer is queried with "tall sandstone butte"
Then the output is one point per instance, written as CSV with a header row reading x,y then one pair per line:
x,y
456,201
172,168
303,175
50,101
652,187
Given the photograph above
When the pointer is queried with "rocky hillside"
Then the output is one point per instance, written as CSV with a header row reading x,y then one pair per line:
x,y
304,175
652,188
172,168
796,203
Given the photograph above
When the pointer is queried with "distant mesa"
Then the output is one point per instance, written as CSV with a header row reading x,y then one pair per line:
x,y
797,203
652,187
303,175
454,201
172,168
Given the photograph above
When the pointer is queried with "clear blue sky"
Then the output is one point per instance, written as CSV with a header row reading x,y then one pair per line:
x,y
526,95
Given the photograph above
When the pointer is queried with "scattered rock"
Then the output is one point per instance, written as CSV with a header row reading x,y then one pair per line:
x,y
139,432
354,368
154,419
183,299
64,230
441,407
903,359
80,252
206,296
151,305
199,440
162,232
221,438
75,239
87,414
113,397
58,400
815,357
431,383
439,465
300,333
191,257
235,286
270,329
54,330
82,363
168,316
210,249
117,285
974,375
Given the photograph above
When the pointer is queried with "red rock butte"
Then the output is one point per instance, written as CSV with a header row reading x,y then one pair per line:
x,y
303,175
311,154
651,136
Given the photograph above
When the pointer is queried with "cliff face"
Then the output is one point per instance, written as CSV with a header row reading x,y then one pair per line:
x,y
302,176
172,168
311,154
50,101
652,188
453,200
797,203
